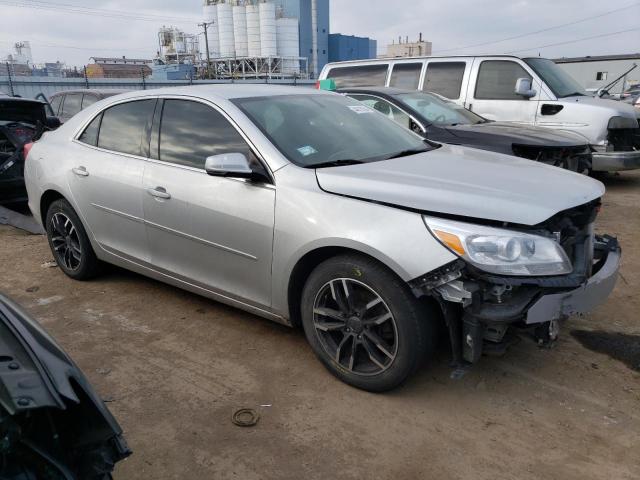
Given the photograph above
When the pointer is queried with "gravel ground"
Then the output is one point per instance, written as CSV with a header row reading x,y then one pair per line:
x,y
174,366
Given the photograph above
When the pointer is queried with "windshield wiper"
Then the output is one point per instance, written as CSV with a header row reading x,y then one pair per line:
x,y
406,153
335,163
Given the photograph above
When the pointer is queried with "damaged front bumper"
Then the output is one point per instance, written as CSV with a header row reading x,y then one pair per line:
x,y
615,161
482,311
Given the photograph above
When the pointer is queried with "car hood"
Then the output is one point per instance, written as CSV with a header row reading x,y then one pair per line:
x,y
22,110
608,106
466,182
492,133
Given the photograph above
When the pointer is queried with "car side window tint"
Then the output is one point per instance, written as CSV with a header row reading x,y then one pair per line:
x,y
124,126
445,78
90,134
497,80
88,100
192,131
386,108
55,104
406,75
360,76
72,104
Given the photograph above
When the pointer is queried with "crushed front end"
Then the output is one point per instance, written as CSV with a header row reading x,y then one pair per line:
x,y
577,158
485,308
621,151
52,423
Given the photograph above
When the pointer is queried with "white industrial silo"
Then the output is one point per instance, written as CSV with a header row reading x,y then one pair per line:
x,y
288,41
240,30
211,17
253,30
225,30
268,43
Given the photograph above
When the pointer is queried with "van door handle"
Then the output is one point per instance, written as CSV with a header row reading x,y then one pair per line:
x,y
159,192
80,171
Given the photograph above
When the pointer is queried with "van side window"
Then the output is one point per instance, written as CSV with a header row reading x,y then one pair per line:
x,y
406,75
124,126
90,134
192,131
497,80
360,76
445,78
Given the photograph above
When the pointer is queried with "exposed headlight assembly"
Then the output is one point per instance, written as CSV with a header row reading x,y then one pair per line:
x,y
503,252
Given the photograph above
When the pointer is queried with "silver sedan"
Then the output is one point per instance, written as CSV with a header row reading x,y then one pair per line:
x,y
308,208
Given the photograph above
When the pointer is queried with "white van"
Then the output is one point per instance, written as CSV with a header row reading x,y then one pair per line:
x,y
530,91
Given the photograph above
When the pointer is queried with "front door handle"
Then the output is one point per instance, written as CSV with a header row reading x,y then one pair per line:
x,y
159,192
80,171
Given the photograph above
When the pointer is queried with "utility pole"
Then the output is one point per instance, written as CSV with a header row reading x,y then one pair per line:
x,y
205,25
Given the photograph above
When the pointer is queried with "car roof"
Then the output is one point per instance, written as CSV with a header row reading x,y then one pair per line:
x,y
98,91
381,90
227,91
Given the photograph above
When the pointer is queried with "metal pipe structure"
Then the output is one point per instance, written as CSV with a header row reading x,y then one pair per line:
x,y
314,38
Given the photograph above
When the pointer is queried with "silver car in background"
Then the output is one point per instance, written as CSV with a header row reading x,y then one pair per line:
x,y
308,208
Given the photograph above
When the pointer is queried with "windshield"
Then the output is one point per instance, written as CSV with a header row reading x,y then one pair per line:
x,y
560,82
325,130
439,111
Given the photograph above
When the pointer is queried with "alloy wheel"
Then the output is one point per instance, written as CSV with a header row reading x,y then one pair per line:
x,y
65,241
355,326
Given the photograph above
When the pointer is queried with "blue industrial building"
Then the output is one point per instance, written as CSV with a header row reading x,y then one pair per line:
x,y
301,9
350,47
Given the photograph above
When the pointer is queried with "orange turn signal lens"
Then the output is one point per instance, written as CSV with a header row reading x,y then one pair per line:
x,y
451,241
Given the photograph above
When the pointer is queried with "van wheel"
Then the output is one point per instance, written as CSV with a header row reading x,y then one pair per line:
x,y
364,324
69,242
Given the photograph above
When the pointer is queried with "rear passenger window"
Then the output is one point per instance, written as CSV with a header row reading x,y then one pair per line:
x,y
445,78
406,75
192,131
360,76
55,104
124,126
90,134
72,104
88,100
497,80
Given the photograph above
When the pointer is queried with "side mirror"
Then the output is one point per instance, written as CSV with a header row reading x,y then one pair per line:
x,y
52,122
233,165
523,88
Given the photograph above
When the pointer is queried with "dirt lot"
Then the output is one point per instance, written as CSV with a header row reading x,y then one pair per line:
x,y
174,366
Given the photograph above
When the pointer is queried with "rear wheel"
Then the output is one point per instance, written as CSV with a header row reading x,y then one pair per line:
x,y
69,242
364,324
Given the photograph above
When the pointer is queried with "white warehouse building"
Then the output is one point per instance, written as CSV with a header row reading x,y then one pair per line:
x,y
596,72
251,39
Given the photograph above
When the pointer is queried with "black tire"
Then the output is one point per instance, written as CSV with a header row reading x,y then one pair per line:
x,y
415,323
79,260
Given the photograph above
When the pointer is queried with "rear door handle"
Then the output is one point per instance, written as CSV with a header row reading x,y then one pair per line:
x,y
80,171
159,192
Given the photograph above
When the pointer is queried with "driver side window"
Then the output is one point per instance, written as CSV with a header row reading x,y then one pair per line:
x,y
386,108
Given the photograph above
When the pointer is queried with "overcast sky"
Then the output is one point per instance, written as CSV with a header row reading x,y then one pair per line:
x,y
449,24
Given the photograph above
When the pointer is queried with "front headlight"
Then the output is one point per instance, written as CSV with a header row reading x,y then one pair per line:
x,y
499,251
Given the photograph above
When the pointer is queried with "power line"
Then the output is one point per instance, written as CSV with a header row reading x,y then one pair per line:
x,y
577,40
103,13
575,22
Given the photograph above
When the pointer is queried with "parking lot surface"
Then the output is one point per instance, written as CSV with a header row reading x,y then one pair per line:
x,y
174,366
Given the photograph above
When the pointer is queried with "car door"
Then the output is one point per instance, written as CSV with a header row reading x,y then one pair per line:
x,y
109,158
492,91
210,231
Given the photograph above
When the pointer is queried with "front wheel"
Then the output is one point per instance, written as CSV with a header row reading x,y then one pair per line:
x,y
364,324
